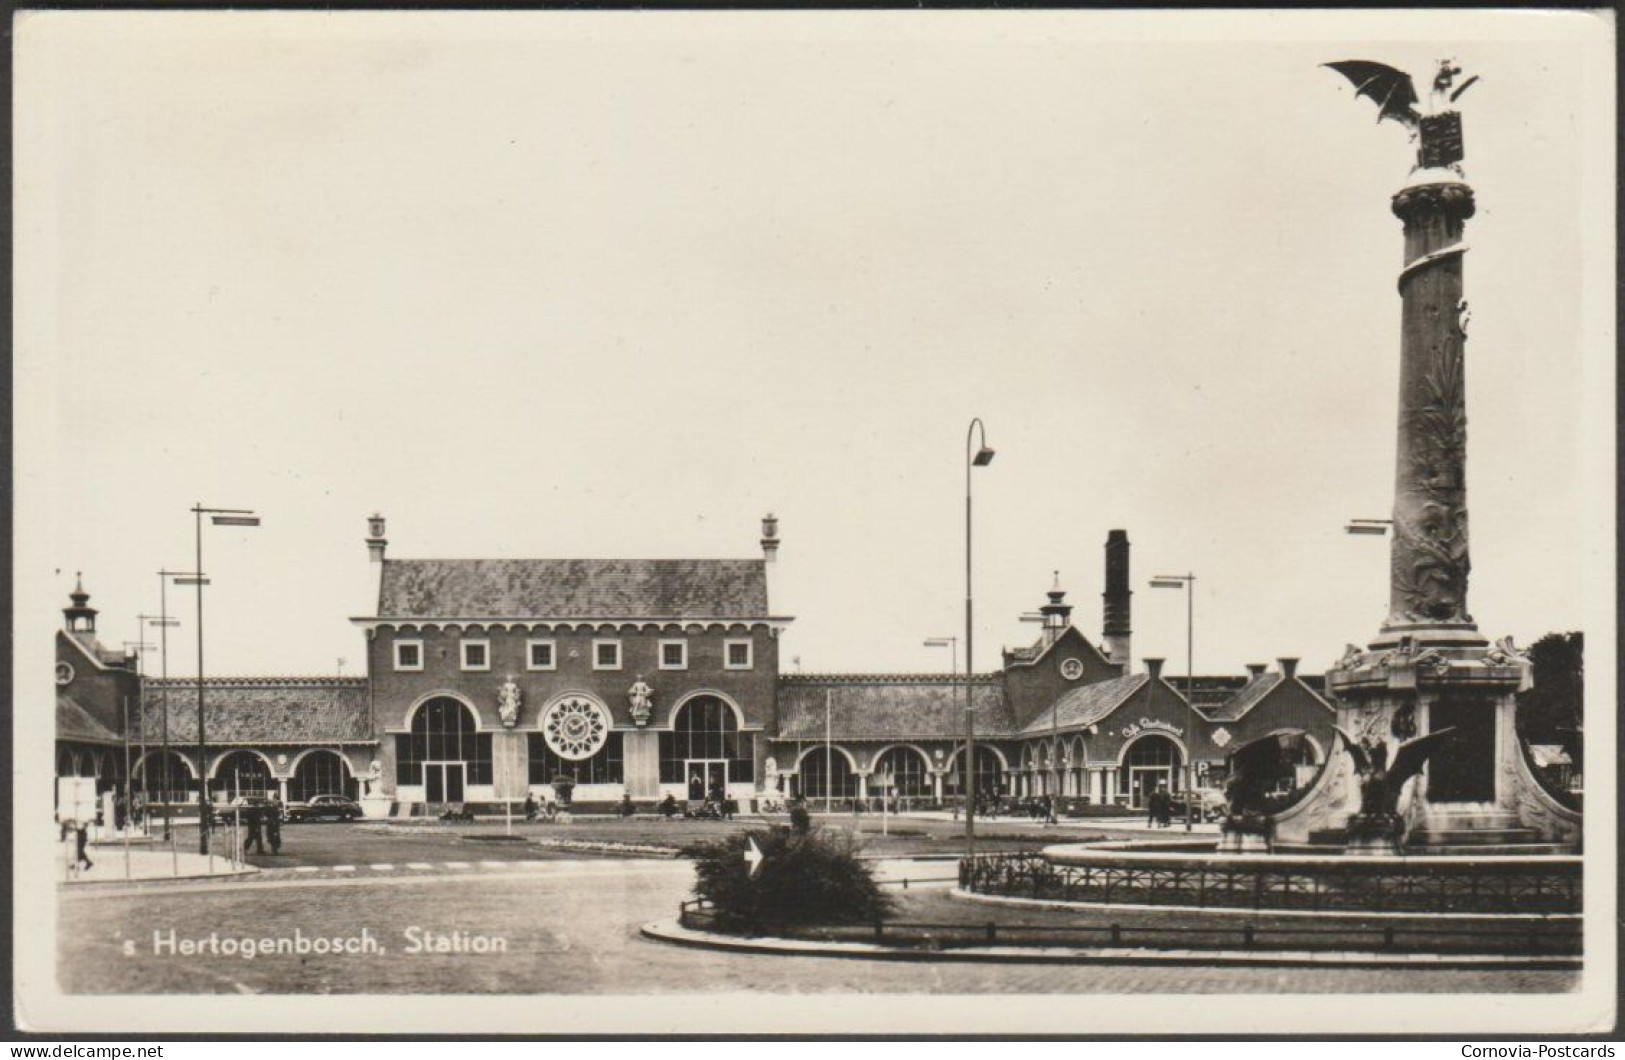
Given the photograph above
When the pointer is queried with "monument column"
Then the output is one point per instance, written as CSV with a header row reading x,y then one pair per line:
x,y
1429,691
1428,558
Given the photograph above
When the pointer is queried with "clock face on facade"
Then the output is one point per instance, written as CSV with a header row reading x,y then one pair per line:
x,y
1072,669
64,673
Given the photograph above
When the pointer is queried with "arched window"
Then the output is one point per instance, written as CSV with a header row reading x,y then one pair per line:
x,y
444,751
67,763
165,777
989,778
907,771
705,740
241,773
827,774
321,772
1151,761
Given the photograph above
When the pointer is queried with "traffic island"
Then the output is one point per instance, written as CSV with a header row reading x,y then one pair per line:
x,y
896,944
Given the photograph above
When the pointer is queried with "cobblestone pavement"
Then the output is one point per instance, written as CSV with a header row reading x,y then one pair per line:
x,y
566,926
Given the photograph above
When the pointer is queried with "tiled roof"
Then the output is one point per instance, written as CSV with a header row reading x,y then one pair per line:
x,y
262,710
890,707
1087,704
573,588
1246,698
73,722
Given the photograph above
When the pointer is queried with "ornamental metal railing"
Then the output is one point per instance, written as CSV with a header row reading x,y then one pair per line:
x,y
1421,885
1551,939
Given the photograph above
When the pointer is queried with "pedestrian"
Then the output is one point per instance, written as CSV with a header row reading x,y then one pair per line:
x,y
530,806
81,838
627,809
800,819
250,816
1151,810
668,806
273,825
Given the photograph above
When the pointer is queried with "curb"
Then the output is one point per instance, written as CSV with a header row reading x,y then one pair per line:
x,y
249,870
669,931
960,894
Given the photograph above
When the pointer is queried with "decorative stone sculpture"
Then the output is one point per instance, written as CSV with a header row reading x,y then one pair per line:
x,y
508,700
641,698
1378,827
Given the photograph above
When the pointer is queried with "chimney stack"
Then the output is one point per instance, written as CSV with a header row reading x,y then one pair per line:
x,y
1154,668
770,538
1115,630
1289,668
376,542
1257,670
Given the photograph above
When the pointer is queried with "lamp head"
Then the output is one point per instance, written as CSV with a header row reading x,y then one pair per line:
x,y
983,457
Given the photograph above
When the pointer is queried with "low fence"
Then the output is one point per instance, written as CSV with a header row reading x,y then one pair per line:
x,y
1418,885
1548,939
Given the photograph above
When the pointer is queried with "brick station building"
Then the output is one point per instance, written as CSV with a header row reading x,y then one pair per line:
x,y
491,679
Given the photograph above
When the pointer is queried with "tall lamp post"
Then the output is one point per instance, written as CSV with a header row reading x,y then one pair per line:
x,y
1188,583
980,457
218,517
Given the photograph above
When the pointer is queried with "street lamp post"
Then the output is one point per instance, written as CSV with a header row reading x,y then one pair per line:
x,y
218,517
1188,583
982,457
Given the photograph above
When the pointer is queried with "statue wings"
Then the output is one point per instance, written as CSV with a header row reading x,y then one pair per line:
x,y
1392,90
1413,755
1362,761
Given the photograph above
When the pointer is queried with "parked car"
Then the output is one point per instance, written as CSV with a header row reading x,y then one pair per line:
x,y
325,807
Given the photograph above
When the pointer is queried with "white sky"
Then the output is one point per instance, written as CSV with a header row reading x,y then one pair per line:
x,y
618,284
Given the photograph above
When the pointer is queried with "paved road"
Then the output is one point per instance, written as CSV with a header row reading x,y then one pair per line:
x,y
567,926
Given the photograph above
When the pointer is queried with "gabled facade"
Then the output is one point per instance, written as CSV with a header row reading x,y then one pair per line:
x,y
490,680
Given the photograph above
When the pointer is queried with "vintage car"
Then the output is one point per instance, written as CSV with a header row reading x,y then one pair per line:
x,y
325,807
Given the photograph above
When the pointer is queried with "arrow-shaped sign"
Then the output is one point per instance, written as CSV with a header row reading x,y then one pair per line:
x,y
754,855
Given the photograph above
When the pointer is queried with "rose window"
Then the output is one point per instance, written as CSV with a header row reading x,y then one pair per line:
x,y
575,728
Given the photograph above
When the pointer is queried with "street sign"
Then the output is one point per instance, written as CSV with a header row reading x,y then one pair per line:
x,y
753,855
76,800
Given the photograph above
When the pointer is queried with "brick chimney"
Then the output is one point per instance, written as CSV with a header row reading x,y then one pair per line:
x,y
376,542
1115,628
1289,668
1154,668
1256,670
770,537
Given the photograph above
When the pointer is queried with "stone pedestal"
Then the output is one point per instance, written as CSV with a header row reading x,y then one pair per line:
x,y
375,807
1247,834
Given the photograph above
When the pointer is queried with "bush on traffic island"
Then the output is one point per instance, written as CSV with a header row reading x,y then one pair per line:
x,y
802,879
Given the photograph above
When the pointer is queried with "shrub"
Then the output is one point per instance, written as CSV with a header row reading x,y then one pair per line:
x,y
814,878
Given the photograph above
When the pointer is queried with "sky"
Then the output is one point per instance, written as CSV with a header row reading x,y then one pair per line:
x,y
618,284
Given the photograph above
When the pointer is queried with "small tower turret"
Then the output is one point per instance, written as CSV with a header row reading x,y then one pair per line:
x,y
80,618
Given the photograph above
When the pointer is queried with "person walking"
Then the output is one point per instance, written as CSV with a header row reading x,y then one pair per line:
x,y
273,826
81,837
800,819
256,838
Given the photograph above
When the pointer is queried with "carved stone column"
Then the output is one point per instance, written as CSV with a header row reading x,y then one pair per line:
x,y
1428,561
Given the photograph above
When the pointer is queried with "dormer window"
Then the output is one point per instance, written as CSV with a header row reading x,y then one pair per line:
x,y
409,655
736,655
476,654
674,655
606,655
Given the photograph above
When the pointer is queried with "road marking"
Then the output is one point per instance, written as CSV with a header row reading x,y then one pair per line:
x,y
457,865
421,866
493,864
343,868
306,868
383,866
